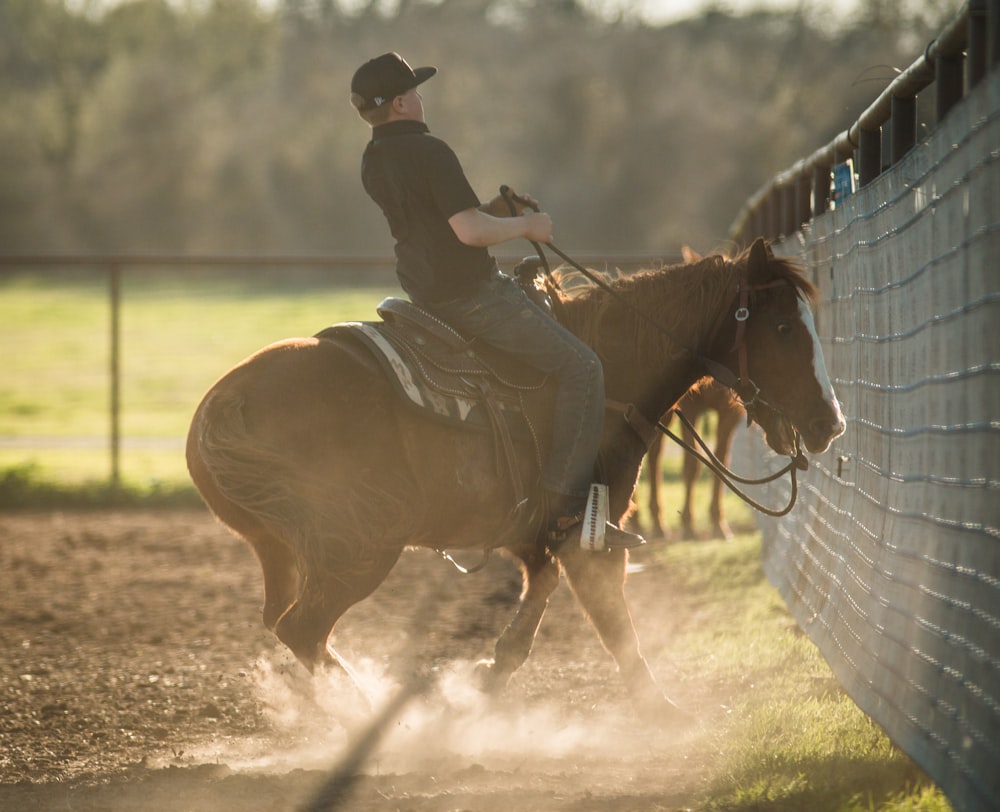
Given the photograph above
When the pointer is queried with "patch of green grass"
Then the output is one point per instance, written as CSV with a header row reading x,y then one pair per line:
x,y
26,487
918,799
807,752
787,737
179,332
739,515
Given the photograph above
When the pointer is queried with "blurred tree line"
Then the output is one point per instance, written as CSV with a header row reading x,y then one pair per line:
x,y
224,125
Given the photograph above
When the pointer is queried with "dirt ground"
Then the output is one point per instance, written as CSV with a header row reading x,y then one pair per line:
x,y
136,675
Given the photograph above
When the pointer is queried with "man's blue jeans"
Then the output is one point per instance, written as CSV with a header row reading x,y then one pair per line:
x,y
500,314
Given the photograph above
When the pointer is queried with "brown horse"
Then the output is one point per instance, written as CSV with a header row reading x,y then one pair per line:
x,y
707,397
305,451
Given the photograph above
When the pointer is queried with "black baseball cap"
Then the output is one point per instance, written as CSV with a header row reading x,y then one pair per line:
x,y
383,78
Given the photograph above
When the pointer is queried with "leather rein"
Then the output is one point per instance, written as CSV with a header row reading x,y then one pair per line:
x,y
645,428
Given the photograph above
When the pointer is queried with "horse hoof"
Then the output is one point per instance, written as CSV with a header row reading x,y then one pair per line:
x,y
720,533
485,676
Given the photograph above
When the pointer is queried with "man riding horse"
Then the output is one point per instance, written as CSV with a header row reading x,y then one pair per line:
x,y
442,234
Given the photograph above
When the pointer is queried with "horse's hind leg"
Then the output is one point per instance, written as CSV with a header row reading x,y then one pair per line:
x,y
598,581
281,575
323,598
541,576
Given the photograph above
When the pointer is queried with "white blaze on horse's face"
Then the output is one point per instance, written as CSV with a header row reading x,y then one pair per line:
x,y
835,427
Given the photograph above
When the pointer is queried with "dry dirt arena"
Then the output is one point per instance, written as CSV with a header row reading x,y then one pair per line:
x,y
136,675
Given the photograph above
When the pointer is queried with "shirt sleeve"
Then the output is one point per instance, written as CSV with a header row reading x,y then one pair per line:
x,y
449,187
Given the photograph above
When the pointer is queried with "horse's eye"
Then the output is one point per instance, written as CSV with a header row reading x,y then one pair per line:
x,y
784,329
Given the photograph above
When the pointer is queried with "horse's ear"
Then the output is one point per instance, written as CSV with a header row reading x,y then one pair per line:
x,y
758,258
689,254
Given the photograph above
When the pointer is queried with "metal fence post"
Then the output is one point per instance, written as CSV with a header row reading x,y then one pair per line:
x,y
948,84
993,33
821,189
904,127
869,155
115,285
803,199
977,42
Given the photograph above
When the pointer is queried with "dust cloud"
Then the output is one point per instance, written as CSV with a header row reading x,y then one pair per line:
x,y
314,722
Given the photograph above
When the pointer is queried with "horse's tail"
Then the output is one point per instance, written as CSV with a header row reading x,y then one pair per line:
x,y
231,469
251,485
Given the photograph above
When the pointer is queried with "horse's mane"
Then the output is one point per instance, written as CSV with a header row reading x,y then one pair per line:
x,y
684,298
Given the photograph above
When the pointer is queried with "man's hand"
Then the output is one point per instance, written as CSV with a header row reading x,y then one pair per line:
x,y
539,227
500,206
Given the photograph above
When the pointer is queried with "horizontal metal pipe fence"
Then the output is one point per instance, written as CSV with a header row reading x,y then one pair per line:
x,y
954,62
117,266
890,561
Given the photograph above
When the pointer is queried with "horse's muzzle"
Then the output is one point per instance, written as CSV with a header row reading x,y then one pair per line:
x,y
823,431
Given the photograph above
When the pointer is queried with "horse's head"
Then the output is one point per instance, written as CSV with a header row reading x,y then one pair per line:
x,y
763,344
783,378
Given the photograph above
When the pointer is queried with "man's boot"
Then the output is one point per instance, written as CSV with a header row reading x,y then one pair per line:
x,y
565,517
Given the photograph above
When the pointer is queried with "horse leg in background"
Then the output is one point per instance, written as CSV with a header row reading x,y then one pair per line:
x,y
654,475
541,576
655,471
598,582
730,416
690,468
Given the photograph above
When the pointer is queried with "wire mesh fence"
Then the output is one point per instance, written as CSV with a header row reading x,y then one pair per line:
x,y
891,560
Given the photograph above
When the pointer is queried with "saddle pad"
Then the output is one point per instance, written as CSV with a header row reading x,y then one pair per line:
x,y
444,383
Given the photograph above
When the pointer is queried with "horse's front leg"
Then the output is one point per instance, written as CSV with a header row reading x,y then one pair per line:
x,y
541,576
598,581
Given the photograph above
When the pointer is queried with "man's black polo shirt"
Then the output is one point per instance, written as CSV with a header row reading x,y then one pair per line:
x,y
418,182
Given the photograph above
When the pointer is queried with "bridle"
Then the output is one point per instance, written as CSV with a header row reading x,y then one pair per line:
x,y
741,384
744,387
742,381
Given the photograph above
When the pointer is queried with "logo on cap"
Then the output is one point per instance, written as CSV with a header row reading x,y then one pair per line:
x,y
383,78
